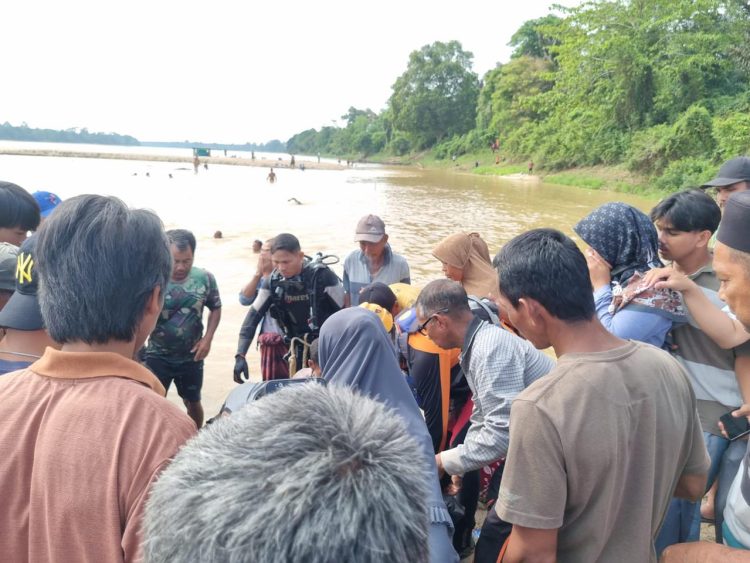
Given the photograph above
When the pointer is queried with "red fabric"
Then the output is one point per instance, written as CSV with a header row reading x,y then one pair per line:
x,y
272,362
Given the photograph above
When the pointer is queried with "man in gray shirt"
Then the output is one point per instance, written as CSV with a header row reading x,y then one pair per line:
x,y
373,262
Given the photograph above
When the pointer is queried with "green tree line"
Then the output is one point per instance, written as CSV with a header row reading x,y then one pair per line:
x,y
659,86
23,132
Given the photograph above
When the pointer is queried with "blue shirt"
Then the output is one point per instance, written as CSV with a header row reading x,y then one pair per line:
x,y
357,274
630,324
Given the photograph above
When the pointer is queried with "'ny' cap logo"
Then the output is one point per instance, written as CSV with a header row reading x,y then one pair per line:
x,y
23,268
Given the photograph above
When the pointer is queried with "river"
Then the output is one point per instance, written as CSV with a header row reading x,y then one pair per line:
x,y
419,207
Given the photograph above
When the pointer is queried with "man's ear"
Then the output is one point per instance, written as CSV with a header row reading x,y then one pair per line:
x,y
704,238
155,302
531,310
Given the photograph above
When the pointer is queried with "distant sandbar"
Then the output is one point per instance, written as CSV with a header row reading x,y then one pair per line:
x,y
263,162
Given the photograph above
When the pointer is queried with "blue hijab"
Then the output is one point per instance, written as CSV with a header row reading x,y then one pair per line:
x,y
355,351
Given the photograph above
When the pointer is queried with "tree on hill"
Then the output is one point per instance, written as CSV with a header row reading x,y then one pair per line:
x,y
436,96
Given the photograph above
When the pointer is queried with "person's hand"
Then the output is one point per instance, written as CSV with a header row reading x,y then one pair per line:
x,y
599,269
668,278
455,485
265,266
240,369
744,410
440,468
201,349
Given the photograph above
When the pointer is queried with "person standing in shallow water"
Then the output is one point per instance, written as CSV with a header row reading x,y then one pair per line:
x,y
177,346
271,178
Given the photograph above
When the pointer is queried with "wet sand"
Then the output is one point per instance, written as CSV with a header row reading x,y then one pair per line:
x,y
260,162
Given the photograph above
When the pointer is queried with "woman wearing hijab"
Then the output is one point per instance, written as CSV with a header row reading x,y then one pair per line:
x,y
355,351
622,248
466,259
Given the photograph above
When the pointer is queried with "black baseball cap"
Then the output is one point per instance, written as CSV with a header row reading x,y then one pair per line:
x,y
734,230
21,312
731,172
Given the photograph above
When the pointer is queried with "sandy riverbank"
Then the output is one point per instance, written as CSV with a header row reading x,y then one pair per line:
x,y
261,162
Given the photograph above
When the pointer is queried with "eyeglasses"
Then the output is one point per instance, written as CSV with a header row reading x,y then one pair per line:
x,y
422,329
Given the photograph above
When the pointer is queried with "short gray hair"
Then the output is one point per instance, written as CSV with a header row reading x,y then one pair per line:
x,y
99,262
330,477
440,295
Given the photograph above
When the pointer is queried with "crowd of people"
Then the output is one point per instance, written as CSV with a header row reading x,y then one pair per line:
x,y
385,412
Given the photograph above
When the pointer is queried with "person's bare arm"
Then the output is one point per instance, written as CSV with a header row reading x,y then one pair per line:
x,y
720,327
691,487
248,292
203,346
742,373
531,545
703,552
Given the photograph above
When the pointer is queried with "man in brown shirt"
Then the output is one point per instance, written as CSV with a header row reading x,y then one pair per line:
x,y
86,429
600,445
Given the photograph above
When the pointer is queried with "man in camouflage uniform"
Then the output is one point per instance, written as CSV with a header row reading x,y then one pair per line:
x,y
177,346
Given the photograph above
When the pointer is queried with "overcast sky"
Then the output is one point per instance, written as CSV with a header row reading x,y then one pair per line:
x,y
228,71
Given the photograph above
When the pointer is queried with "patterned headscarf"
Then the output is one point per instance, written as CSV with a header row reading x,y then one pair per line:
x,y
623,236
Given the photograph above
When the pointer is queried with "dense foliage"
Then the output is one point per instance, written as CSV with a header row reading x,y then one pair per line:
x,y
23,132
660,86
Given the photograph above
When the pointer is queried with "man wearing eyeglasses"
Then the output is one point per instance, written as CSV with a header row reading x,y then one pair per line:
x,y
498,365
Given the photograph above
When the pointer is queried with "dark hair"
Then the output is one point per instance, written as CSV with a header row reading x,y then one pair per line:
x,y
286,242
442,295
547,266
18,208
98,265
688,211
182,239
379,294
314,355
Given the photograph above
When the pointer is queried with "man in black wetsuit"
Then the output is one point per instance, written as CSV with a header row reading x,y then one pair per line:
x,y
300,295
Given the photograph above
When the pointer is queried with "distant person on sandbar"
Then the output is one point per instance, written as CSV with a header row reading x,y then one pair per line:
x,y
271,177
252,155
291,162
531,167
196,163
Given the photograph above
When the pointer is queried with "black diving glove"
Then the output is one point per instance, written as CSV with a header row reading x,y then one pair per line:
x,y
240,369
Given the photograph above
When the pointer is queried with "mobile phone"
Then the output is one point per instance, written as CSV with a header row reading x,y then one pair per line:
x,y
735,427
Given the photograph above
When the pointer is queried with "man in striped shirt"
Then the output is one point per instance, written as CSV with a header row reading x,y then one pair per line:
x,y
498,365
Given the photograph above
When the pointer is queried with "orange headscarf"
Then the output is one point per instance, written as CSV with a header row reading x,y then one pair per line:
x,y
470,253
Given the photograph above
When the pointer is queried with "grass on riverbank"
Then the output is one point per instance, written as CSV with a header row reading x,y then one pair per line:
x,y
613,178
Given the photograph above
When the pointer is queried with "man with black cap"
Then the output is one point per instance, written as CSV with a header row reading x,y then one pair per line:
x,y
374,261
732,265
25,338
733,177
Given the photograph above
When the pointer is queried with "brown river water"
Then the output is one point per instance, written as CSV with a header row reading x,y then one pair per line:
x,y
419,207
